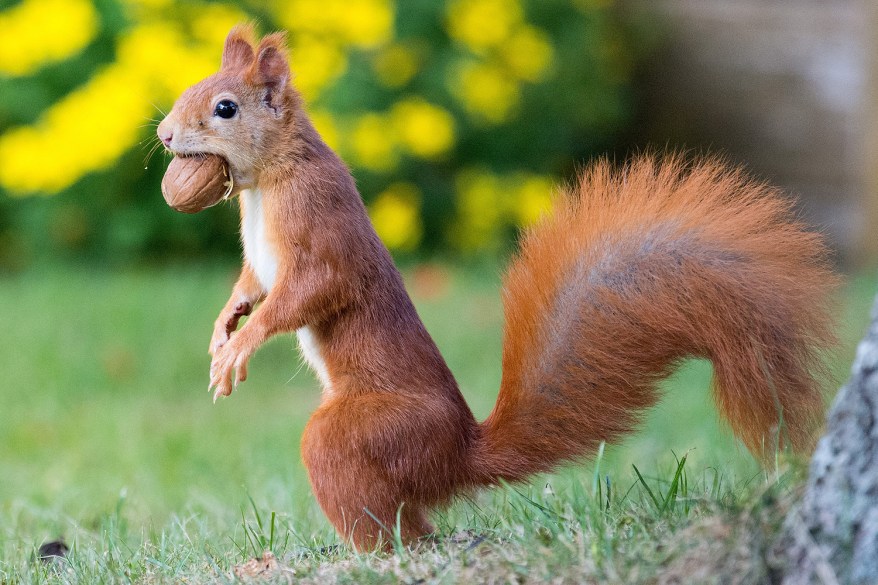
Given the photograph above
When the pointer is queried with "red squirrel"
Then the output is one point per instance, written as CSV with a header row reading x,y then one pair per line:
x,y
634,270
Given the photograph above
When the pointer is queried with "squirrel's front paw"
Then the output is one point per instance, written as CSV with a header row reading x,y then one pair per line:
x,y
225,325
229,363
219,338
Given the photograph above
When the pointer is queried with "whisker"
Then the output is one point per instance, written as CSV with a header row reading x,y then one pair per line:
x,y
296,373
147,158
162,112
151,152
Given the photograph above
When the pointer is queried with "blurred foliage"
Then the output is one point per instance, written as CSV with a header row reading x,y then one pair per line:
x,y
456,116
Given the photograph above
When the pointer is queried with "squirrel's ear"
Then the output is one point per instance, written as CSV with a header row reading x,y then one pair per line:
x,y
271,70
238,50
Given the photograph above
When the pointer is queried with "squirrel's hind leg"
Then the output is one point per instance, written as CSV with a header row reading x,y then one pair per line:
x,y
365,515
364,482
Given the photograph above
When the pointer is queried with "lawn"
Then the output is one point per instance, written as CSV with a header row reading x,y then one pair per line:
x,y
109,439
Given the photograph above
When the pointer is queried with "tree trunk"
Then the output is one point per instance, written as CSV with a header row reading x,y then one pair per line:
x,y
832,537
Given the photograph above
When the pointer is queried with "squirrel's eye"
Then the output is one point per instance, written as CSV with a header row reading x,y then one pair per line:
x,y
226,109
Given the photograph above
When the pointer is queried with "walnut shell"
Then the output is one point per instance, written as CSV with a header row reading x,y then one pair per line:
x,y
193,183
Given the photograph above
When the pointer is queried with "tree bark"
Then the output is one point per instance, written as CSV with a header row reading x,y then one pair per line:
x,y
832,537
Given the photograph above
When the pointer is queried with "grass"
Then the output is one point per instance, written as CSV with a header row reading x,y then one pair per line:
x,y
109,439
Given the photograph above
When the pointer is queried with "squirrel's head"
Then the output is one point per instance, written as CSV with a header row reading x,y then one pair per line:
x,y
242,112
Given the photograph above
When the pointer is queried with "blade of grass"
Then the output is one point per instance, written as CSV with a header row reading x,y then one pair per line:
x,y
646,487
596,478
671,496
255,512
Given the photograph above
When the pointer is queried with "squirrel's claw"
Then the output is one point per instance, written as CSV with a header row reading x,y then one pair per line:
x,y
228,369
240,371
222,383
219,392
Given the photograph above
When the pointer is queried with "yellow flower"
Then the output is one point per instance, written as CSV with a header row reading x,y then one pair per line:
x,y
488,203
159,52
364,23
311,16
528,53
479,196
532,198
86,131
147,5
396,216
395,65
212,22
91,127
316,63
486,91
373,143
37,32
325,126
426,130
482,24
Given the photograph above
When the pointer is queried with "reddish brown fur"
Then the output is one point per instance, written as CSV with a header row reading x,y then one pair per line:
x,y
634,270
637,269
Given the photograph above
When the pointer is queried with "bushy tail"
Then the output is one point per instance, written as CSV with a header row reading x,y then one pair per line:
x,y
636,269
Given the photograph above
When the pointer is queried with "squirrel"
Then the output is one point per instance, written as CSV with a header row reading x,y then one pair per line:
x,y
635,269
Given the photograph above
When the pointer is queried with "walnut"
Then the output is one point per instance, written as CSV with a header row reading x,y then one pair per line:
x,y
193,183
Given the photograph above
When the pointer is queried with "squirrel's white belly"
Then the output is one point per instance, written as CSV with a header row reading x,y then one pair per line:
x,y
258,251
262,258
310,348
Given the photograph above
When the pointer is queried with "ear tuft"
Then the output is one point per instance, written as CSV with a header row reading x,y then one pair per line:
x,y
238,50
271,65
271,69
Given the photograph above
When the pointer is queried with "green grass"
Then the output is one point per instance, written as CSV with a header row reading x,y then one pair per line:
x,y
109,439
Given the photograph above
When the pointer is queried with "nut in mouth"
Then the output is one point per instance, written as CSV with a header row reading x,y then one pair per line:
x,y
191,154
